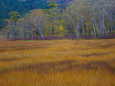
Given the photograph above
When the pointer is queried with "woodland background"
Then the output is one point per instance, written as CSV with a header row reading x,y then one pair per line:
x,y
34,19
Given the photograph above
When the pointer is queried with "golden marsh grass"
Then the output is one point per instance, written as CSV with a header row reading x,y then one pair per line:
x,y
57,63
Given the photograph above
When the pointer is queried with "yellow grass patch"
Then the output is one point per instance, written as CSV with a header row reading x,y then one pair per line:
x,y
57,63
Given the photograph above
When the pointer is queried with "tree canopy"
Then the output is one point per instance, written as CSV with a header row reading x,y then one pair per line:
x,y
81,18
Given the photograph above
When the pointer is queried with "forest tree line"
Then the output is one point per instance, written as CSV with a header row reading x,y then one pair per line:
x,y
23,6
81,18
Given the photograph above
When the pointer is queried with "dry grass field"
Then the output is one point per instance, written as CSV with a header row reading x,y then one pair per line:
x,y
57,63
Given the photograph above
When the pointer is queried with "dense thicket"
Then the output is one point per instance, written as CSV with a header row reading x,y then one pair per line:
x,y
81,18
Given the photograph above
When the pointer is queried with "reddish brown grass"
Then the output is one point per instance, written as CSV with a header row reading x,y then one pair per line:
x,y
57,63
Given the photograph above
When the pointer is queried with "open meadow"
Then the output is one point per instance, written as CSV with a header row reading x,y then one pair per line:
x,y
57,62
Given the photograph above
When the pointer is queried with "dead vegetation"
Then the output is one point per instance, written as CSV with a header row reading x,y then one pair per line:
x,y
57,63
